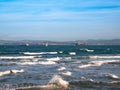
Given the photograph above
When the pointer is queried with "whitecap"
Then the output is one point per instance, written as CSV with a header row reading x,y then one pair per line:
x,y
98,63
104,57
85,66
28,63
87,50
31,53
36,63
16,57
67,73
47,63
72,53
11,72
53,59
37,53
67,58
57,80
61,69
113,76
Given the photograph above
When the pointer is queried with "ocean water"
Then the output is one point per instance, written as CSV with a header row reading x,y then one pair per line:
x,y
83,67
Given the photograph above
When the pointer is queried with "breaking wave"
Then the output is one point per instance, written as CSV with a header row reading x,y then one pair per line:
x,y
104,57
87,50
72,53
56,83
53,59
16,57
11,72
99,63
37,63
111,76
39,53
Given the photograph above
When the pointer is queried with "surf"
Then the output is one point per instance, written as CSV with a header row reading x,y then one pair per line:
x,y
56,83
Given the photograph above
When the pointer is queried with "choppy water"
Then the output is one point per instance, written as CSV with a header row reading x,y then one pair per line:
x,y
84,67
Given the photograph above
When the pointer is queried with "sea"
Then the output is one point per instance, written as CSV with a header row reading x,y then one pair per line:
x,y
88,67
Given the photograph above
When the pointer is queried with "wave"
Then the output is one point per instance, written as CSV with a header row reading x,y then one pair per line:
x,y
39,53
45,61
112,76
61,69
60,52
87,50
104,57
72,53
89,83
67,73
99,63
17,57
53,59
37,63
11,72
56,83
8,64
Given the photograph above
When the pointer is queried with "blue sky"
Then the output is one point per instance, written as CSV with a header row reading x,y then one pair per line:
x,y
60,20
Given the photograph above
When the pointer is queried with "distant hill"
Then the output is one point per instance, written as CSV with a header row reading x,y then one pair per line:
x,y
78,42
104,42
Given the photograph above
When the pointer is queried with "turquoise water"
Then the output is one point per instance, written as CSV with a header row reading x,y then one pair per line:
x,y
84,67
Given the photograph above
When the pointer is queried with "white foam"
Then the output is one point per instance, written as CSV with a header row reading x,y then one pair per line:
x,y
87,50
104,57
98,63
53,59
37,53
47,63
11,72
61,69
68,73
85,66
27,63
113,76
57,80
31,53
17,57
72,53
36,63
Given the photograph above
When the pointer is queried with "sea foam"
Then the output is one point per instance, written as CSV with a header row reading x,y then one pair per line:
x,y
98,63
72,53
112,76
37,53
104,57
11,72
53,59
16,57
36,63
67,73
61,69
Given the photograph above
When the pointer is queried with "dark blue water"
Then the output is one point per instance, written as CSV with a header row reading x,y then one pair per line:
x,y
84,67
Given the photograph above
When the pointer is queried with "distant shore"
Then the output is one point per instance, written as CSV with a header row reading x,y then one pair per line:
x,y
45,42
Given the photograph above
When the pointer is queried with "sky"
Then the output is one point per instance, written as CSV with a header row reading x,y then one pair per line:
x,y
59,20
